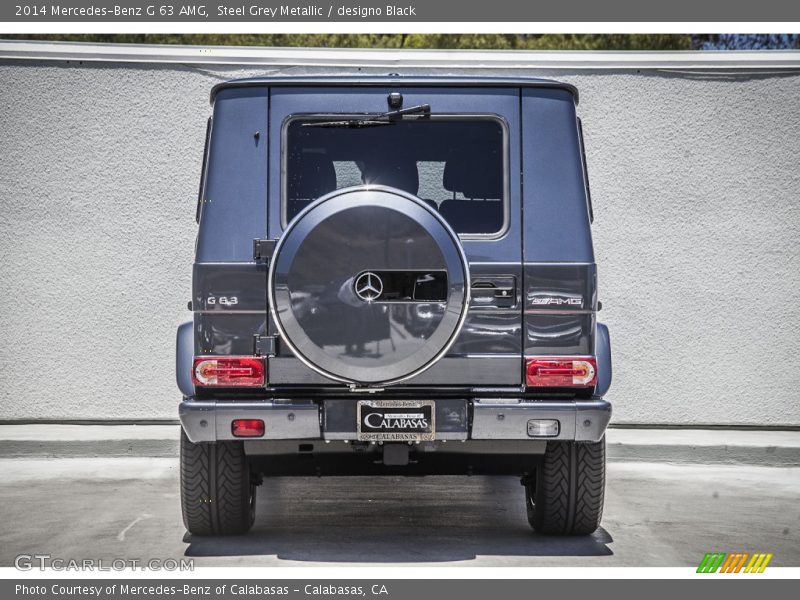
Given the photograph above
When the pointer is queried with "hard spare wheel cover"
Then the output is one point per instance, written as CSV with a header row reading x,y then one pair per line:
x,y
369,285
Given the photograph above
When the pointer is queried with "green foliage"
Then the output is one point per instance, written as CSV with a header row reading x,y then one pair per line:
x,y
483,41
479,41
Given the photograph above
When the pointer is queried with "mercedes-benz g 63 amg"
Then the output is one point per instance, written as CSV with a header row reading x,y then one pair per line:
x,y
394,275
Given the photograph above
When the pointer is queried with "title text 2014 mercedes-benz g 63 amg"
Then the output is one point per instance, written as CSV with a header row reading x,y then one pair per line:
x,y
394,275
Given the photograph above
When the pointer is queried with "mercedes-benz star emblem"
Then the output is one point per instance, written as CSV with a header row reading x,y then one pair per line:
x,y
368,286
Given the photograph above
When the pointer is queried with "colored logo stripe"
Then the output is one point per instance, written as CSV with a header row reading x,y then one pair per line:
x,y
758,563
734,562
711,562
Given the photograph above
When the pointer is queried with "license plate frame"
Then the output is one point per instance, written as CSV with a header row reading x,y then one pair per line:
x,y
398,412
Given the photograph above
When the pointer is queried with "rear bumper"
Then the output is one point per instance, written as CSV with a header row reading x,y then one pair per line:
x,y
484,419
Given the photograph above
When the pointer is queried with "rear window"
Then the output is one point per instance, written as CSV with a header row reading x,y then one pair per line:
x,y
456,165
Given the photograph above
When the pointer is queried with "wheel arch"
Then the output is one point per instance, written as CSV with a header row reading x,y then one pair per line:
x,y
184,355
603,354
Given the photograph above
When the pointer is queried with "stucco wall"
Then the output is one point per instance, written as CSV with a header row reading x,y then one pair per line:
x,y
695,181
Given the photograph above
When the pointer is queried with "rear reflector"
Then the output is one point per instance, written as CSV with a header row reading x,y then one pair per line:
x,y
247,427
543,427
228,371
561,371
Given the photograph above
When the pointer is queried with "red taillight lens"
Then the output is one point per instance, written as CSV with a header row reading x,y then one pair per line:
x,y
557,371
247,427
228,371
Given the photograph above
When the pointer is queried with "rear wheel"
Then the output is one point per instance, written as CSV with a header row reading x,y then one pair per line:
x,y
218,493
566,495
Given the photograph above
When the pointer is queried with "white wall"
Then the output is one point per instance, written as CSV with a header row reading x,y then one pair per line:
x,y
694,175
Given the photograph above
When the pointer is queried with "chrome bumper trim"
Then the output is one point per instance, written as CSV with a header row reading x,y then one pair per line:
x,y
579,420
492,419
210,421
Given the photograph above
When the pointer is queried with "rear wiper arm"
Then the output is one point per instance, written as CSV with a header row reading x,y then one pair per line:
x,y
387,118
349,124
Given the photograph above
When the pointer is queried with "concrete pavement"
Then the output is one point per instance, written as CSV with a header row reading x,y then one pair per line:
x,y
111,491
656,514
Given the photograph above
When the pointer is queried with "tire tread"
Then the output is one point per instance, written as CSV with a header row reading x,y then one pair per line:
x,y
568,494
215,488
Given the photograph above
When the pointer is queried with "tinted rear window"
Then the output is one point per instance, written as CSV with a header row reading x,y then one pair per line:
x,y
455,165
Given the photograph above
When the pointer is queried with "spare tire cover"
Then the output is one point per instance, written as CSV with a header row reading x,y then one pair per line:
x,y
368,285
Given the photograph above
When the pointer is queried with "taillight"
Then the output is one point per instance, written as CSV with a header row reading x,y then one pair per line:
x,y
247,427
560,371
228,371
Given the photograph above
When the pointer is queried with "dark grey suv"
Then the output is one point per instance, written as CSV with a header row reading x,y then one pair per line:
x,y
394,275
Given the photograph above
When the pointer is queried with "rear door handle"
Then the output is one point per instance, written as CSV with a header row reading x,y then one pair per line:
x,y
495,292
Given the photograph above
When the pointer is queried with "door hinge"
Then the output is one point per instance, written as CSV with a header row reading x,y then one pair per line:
x,y
265,345
263,249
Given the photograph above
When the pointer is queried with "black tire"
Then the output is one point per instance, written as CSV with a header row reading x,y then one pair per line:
x,y
566,495
218,494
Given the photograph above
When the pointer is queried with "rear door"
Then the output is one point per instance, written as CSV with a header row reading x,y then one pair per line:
x,y
488,352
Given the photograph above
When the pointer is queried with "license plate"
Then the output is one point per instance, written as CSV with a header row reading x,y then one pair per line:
x,y
396,420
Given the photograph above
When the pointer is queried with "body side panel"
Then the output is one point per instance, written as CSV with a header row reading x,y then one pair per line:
x,y
560,277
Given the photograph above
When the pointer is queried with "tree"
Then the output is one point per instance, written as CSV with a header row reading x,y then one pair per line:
x,y
416,40
747,41
480,41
